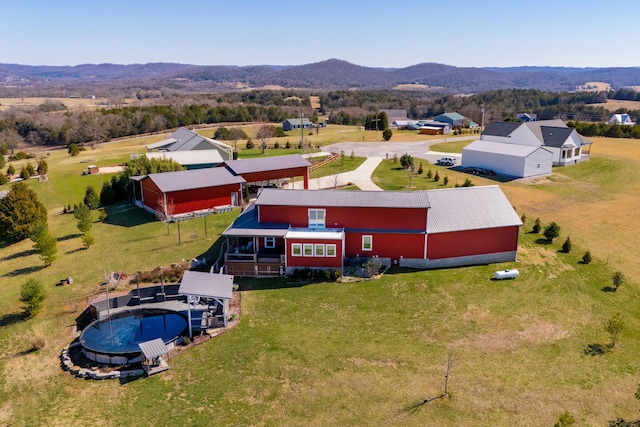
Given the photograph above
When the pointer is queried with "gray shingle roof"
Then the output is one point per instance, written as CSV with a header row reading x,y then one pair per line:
x,y
262,164
536,127
379,199
197,178
500,128
469,208
555,136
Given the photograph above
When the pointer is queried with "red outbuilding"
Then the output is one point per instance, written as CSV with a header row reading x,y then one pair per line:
x,y
421,229
271,171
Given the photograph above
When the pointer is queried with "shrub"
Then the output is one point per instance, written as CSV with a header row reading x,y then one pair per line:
x,y
32,295
445,181
43,167
11,170
467,183
3,179
429,174
523,218
565,420
24,174
536,226
38,342
250,144
371,267
287,145
551,232
586,258
276,145
87,240
436,177
387,134
73,149
420,169
617,280
566,246
102,216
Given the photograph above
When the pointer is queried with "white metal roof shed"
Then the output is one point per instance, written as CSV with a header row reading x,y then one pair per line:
x,y
196,284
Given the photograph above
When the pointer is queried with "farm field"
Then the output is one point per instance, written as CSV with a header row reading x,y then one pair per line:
x,y
71,103
351,353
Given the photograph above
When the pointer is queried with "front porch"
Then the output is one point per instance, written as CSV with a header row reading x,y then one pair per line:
x,y
246,257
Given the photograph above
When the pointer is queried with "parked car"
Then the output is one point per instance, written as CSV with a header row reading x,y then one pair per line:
x,y
480,171
446,161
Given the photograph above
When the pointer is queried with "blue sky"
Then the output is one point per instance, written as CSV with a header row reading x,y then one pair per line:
x,y
469,33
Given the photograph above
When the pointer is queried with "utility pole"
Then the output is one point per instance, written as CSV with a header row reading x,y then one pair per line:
x,y
482,124
301,127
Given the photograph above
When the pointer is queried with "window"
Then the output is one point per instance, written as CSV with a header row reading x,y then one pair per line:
x,y
367,243
308,249
576,152
316,218
296,249
319,250
564,154
269,242
331,250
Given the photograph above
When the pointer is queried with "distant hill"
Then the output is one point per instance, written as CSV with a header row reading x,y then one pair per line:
x,y
325,75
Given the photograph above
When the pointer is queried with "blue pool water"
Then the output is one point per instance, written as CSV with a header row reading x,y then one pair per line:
x,y
121,333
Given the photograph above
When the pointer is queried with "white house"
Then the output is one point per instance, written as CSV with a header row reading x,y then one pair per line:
x,y
514,160
565,143
621,119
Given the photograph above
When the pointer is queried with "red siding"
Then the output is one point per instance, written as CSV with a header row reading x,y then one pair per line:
x,y
472,242
376,218
190,200
386,245
313,261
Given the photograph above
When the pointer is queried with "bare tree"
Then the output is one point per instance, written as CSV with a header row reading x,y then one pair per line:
x,y
236,134
11,138
335,181
165,208
264,134
410,171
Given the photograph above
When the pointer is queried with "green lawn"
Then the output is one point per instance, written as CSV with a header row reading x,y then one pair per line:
x,y
366,353
450,147
341,165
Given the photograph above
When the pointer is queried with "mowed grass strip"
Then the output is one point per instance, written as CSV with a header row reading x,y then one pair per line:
x,y
354,353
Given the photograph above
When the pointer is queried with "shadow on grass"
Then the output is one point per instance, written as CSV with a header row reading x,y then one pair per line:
x,y
264,284
127,215
73,251
543,241
11,318
595,349
26,270
26,352
127,380
608,289
69,237
18,255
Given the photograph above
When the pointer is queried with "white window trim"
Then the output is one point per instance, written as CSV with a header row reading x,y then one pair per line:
x,y
304,249
293,249
317,223
364,237
317,246
326,250
269,245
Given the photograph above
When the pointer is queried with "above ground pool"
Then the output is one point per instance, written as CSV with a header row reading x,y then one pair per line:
x,y
120,334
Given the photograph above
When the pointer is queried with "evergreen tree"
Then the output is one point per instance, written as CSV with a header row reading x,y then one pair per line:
x,y
91,198
586,258
19,210
43,167
2,161
30,170
551,232
32,295
566,246
436,177
73,149
536,226
24,174
83,215
47,247
11,170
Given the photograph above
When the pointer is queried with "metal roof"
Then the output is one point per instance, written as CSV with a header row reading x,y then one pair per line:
x,y
154,348
246,224
362,199
161,144
191,179
305,121
324,233
452,116
504,148
469,208
207,285
187,158
262,164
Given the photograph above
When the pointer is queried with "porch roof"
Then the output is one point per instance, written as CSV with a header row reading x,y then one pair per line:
x,y
316,234
206,285
154,348
247,225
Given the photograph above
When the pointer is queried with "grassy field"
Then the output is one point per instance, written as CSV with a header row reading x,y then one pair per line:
x,y
366,353
450,147
70,103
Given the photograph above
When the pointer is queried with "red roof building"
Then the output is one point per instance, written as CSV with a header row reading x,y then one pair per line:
x,y
288,229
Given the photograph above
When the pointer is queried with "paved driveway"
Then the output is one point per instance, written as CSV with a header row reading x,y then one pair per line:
x,y
384,149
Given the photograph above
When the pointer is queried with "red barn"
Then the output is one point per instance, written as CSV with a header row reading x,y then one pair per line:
x,y
422,229
174,193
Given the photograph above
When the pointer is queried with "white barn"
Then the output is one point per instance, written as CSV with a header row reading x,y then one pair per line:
x,y
514,160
